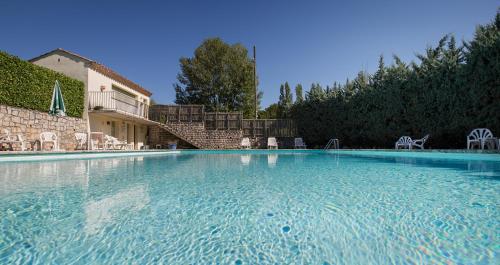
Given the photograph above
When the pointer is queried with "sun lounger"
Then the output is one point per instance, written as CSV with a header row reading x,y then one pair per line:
x,y
111,142
420,142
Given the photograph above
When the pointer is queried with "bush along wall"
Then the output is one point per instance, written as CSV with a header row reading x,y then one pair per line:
x,y
453,90
25,85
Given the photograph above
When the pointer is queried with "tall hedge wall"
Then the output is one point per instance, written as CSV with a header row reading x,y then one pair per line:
x,y
25,85
452,90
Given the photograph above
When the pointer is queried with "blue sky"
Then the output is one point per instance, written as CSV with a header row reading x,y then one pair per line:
x,y
297,41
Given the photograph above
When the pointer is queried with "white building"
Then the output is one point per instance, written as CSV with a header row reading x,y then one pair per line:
x,y
115,105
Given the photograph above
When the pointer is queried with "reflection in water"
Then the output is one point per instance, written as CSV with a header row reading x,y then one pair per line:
x,y
245,159
41,175
101,212
272,160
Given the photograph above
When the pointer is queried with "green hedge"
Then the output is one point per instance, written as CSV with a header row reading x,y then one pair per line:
x,y
25,85
450,92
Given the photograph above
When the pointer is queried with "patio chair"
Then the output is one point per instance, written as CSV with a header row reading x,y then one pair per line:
x,y
111,142
245,143
404,142
479,137
420,142
4,135
81,140
7,138
272,143
97,141
49,137
299,143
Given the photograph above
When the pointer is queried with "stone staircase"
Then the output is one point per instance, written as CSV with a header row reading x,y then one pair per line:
x,y
201,138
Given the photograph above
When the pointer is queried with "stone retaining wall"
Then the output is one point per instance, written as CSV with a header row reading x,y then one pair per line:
x,y
30,123
194,135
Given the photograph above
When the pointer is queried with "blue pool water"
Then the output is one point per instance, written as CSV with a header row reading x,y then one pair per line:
x,y
259,207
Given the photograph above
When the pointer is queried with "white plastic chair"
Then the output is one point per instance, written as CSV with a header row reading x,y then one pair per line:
x,y
404,142
81,140
7,138
299,143
272,143
245,143
4,135
478,137
48,137
420,142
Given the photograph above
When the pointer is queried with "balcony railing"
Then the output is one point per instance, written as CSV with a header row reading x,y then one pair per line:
x,y
114,100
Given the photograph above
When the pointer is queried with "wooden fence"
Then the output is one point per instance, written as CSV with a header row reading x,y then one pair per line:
x,y
223,120
269,127
177,113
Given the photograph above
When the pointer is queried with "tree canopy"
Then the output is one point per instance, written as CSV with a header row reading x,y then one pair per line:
x,y
219,76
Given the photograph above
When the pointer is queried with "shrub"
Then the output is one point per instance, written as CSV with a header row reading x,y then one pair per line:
x,y
25,85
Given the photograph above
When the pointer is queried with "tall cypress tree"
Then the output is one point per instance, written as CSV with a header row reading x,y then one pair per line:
x,y
299,98
288,97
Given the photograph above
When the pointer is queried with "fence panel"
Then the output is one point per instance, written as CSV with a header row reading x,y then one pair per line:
x,y
223,120
268,128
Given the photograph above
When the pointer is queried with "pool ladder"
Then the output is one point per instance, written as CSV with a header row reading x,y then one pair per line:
x,y
333,142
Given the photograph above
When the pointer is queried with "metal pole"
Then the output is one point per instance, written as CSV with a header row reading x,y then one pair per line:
x,y
255,79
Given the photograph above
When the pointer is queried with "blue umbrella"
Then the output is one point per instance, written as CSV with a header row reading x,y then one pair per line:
x,y
57,105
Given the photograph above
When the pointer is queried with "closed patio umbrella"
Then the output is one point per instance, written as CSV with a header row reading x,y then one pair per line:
x,y
57,105
57,108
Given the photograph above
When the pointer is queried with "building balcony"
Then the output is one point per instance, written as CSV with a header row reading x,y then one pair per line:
x,y
114,101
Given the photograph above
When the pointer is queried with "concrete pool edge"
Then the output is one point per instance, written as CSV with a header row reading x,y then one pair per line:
x,y
46,156
447,154
454,154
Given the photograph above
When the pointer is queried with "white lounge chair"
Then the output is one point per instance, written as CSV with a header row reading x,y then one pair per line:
x,y
81,140
245,143
111,142
272,143
404,142
7,138
420,142
48,137
479,137
299,143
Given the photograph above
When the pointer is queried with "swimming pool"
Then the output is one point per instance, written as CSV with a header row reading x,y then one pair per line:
x,y
252,207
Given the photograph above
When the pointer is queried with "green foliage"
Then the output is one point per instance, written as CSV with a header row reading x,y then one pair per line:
x,y
299,97
450,92
285,101
271,112
25,85
219,76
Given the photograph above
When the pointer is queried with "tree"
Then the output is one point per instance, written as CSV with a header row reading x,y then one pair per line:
x,y
219,76
299,98
285,101
288,97
270,112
